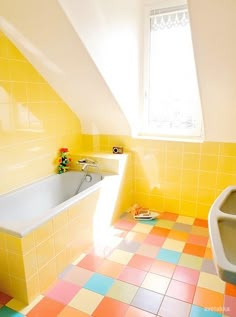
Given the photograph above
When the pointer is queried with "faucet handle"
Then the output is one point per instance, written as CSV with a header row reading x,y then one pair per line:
x,y
82,161
86,161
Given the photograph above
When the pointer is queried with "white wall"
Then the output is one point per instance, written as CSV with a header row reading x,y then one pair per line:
x,y
110,30
214,39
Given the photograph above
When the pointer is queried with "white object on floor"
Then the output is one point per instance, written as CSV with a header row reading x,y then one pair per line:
x,y
148,215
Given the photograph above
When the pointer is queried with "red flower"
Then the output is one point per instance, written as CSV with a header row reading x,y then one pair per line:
x,y
60,160
64,149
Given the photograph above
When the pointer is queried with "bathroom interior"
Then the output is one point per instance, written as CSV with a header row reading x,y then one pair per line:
x,y
71,76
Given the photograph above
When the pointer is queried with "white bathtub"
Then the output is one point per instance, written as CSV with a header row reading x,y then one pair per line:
x,y
25,209
44,227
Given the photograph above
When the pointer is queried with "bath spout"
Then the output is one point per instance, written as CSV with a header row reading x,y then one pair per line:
x,y
85,163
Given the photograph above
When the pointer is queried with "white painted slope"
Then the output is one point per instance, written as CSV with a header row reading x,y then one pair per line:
x,y
111,32
42,32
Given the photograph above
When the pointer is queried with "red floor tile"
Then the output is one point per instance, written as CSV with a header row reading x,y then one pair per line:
x,y
90,262
201,223
230,289
186,275
181,291
47,307
168,216
141,262
72,312
132,275
198,240
194,249
4,298
110,307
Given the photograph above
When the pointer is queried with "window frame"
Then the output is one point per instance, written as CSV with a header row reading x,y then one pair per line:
x,y
144,132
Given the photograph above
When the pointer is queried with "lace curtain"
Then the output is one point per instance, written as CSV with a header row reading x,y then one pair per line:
x,y
168,18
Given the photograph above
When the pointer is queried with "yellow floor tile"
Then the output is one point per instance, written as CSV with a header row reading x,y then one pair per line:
x,y
174,245
141,227
165,223
190,261
186,220
212,282
120,256
86,301
200,231
122,291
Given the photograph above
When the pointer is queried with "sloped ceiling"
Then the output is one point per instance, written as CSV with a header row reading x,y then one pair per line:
x,y
43,33
88,51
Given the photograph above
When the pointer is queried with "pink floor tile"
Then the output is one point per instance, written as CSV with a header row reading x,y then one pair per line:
x,y
154,240
141,262
63,291
132,275
186,275
181,291
230,306
124,224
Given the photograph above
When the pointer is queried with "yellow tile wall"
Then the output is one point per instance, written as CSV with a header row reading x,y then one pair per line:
x,y
178,177
34,121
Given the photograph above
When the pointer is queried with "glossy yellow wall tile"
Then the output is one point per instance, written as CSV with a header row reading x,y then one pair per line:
x,y
34,121
176,176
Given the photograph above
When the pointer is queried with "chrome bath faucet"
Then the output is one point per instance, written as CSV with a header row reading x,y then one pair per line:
x,y
85,163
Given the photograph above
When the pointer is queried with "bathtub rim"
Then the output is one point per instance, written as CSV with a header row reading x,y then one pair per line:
x,y
52,212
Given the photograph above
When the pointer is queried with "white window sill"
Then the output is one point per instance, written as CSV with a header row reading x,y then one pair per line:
x,y
192,139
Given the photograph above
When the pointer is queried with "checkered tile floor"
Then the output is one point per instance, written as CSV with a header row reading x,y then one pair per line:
x,y
152,268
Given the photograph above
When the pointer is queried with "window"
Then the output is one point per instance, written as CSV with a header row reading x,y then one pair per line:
x,y
172,105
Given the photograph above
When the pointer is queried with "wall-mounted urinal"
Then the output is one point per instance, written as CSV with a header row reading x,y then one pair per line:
x,y
222,228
